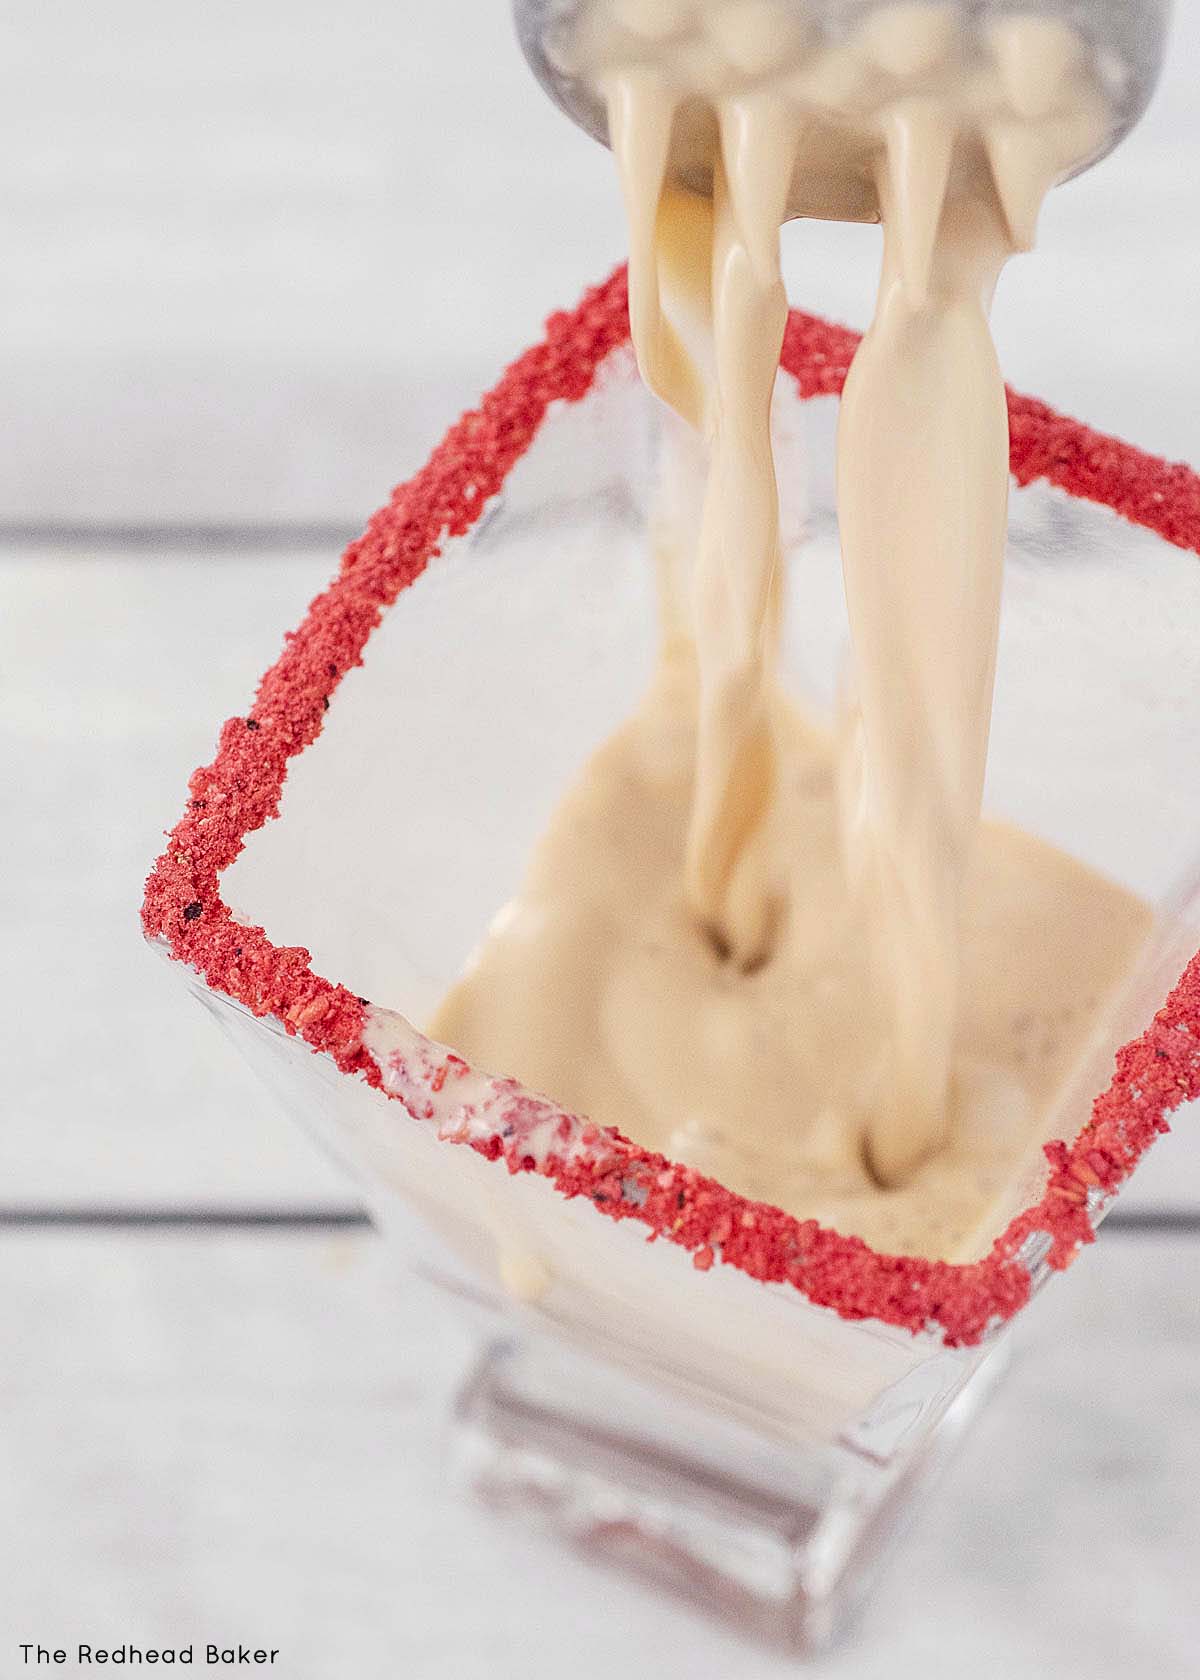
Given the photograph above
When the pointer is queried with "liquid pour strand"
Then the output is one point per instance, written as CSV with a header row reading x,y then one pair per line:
x,y
787,954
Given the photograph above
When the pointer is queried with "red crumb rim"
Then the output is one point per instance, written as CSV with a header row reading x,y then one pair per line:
x,y
241,789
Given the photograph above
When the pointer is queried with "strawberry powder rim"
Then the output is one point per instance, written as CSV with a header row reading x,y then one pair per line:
x,y
241,790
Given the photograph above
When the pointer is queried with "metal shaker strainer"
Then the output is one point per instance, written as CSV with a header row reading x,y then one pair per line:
x,y
1125,39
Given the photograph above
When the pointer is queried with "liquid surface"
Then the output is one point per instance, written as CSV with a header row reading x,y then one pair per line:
x,y
790,958
597,986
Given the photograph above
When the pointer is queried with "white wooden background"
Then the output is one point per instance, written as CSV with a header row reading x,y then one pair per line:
x,y
255,252
252,258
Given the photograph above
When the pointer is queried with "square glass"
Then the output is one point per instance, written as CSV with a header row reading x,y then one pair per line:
x,y
743,1406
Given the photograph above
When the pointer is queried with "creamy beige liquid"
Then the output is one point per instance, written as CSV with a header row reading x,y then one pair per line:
x,y
788,957
598,986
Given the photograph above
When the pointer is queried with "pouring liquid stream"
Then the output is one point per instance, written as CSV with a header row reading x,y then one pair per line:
x,y
788,955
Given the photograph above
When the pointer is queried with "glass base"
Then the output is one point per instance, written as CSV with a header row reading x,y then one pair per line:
x,y
780,1538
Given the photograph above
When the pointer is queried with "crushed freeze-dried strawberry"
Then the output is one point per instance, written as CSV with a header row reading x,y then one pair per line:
x,y
240,791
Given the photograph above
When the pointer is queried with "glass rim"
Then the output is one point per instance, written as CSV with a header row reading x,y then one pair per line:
x,y
241,789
